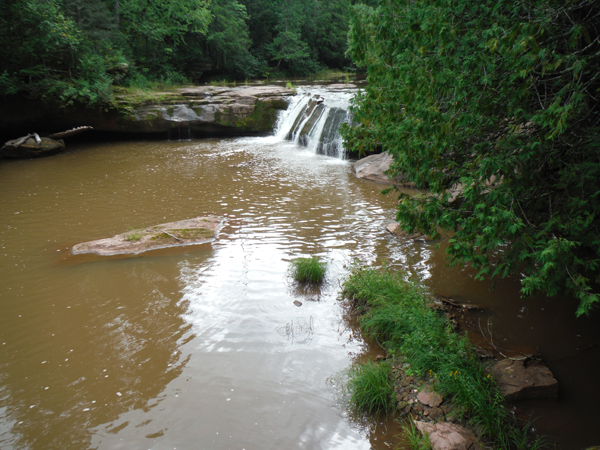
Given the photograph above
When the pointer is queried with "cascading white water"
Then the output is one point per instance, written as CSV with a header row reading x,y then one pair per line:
x,y
314,117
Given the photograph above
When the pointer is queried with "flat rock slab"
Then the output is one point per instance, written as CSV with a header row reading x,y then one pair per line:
x,y
374,168
242,91
198,230
519,380
448,436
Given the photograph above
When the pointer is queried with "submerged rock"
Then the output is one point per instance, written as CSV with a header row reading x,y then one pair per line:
x,y
448,436
198,230
525,379
395,229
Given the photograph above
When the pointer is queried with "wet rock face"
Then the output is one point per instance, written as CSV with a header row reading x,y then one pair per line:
x,y
519,380
448,436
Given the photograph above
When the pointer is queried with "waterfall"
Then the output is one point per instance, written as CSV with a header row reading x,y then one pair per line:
x,y
313,119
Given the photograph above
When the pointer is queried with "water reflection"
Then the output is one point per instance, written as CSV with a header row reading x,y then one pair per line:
x,y
87,357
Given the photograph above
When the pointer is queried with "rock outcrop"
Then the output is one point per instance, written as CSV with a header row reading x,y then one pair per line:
x,y
198,230
374,168
199,111
524,379
204,110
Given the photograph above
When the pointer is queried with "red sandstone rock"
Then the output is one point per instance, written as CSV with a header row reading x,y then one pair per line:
x,y
520,380
194,231
448,436
430,398
374,168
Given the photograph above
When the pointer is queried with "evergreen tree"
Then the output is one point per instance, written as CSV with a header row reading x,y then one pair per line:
x,y
288,45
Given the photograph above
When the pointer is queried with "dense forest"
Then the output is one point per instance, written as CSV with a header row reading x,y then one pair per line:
x,y
75,50
493,107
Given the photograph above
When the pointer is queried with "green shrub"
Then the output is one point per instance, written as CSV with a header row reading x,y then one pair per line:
x,y
308,270
371,388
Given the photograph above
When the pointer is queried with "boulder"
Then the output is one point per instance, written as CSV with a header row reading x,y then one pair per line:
x,y
429,397
448,436
198,230
524,379
374,168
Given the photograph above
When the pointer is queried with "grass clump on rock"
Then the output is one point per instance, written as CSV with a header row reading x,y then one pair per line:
x,y
395,313
370,387
308,270
133,235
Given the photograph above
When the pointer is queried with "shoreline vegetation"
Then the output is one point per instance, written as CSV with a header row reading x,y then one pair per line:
x,y
396,314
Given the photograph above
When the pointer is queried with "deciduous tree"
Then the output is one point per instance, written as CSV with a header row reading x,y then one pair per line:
x,y
493,106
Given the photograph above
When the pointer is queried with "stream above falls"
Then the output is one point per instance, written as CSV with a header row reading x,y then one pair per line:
x,y
204,347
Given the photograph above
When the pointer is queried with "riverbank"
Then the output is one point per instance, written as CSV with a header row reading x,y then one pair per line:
x,y
187,111
425,355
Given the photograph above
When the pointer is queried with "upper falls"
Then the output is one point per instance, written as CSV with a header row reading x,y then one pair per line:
x,y
314,116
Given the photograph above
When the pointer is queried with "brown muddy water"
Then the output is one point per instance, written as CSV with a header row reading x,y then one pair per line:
x,y
203,347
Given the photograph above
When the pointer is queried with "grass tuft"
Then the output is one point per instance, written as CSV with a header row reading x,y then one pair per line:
x,y
416,440
371,388
308,270
133,235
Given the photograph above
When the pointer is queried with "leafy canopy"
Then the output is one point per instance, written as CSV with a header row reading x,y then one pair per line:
x,y
493,107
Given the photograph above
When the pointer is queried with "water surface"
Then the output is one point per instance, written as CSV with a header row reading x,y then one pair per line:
x,y
204,347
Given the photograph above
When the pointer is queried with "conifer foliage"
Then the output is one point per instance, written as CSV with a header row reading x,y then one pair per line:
x,y
493,106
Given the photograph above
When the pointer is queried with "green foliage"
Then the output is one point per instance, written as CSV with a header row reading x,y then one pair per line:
x,y
492,106
394,312
228,39
371,388
308,270
288,45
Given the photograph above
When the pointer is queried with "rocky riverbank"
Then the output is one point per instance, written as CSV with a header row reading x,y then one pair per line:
x,y
185,111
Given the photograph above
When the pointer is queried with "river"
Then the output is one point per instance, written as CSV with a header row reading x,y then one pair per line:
x,y
204,347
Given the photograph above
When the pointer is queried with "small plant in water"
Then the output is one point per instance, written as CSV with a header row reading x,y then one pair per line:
x,y
371,388
290,85
308,270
